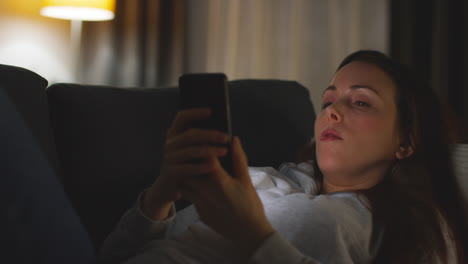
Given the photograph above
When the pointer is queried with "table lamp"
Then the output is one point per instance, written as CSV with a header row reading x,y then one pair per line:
x,y
78,11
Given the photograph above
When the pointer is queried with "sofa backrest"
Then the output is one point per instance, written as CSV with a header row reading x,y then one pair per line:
x,y
109,140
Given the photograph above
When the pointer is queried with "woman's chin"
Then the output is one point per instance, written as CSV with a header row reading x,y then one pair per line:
x,y
330,166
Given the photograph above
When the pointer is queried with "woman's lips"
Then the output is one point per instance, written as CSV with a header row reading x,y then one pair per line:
x,y
330,135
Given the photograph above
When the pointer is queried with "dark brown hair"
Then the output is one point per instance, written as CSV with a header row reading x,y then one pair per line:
x,y
417,191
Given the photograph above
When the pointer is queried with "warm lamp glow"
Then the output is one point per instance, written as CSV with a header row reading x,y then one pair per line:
x,y
86,10
78,11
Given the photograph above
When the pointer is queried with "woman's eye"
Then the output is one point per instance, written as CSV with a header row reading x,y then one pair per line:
x,y
361,104
325,105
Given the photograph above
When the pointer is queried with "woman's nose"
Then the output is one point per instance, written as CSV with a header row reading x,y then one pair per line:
x,y
334,113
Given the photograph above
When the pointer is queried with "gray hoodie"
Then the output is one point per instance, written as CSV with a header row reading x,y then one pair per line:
x,y
310,228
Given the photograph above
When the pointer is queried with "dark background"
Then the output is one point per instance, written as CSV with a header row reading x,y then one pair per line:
x,y
431,36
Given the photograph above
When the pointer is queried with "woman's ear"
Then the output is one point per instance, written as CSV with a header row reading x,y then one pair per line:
x,y
406,149
404,152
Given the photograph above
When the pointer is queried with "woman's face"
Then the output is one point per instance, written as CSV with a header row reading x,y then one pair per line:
x,y
357,130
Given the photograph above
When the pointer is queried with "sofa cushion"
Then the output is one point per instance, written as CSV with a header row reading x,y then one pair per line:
x,y
109,140
26,90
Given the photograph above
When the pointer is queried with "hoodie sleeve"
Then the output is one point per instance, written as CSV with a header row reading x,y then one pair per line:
x,y
132,232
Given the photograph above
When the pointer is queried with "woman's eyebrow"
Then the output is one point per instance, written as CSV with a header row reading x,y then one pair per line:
x,y
361,86
331,87
354,87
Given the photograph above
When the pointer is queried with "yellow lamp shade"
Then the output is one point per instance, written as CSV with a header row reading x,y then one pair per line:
x,y
87,10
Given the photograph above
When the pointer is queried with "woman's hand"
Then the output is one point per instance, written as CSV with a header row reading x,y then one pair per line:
x,y
230,204
183,145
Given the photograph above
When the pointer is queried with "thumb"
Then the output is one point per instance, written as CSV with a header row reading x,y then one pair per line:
x,y
239,161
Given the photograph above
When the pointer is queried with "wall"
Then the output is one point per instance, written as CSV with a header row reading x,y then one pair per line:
x,y
32,41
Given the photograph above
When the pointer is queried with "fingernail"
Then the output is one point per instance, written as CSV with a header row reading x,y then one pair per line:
x,y
240,143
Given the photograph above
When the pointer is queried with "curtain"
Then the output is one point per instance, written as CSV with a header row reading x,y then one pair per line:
x,y
431,36
151,42
142,46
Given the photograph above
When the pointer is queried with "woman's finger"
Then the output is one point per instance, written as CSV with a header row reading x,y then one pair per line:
x,y
195,153
196,136
181,172
184,118
239,161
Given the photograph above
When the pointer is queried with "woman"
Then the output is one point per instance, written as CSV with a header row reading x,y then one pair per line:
x,y
379,186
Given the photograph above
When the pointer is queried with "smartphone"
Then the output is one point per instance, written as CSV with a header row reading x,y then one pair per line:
x,y
209,90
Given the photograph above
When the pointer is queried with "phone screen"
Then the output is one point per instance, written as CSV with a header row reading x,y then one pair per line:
x,y
208,90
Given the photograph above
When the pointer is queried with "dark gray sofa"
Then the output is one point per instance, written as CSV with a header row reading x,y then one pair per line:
x,y
105,142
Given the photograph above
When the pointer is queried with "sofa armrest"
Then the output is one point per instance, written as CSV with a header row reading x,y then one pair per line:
x,y
26,90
